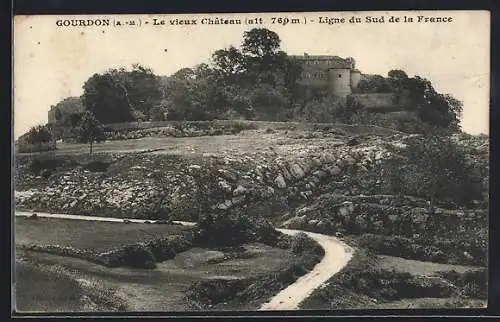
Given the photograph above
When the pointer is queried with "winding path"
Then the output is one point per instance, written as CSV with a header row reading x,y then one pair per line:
x,y
337,255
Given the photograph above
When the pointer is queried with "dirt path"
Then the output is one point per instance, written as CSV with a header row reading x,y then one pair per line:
x,y
94,218
337,255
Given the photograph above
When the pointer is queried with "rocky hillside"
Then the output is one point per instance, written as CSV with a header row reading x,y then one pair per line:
x,y
307,179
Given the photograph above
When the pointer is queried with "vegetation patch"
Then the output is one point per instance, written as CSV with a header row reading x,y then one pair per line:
x,y
363,283
473,283
450,251
250,293
59,290
139,255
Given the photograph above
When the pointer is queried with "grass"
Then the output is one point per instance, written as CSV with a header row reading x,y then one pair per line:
x,y
43,291
251,291
53,288
164,288
415,267
81,234
430,303
248,142
383,282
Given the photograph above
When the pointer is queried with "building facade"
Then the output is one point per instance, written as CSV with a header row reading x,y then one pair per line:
x,y
338,75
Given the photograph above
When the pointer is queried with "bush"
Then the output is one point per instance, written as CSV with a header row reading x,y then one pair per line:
x,y
301,242
437,250
37,165
473,283
96,166
392,285
433,168
227,230
138,256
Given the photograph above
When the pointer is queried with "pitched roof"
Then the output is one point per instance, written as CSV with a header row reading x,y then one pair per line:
x,y
337,62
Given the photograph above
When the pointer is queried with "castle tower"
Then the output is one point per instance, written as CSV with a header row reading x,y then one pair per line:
x,y
355,78
339,81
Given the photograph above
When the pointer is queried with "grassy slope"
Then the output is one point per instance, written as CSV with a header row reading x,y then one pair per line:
x,y
415,267
87,234
53,288
42,291
337,295
164,288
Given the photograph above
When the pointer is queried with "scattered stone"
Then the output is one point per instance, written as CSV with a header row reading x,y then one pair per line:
x,y
297,171
334,170
352,142
280,182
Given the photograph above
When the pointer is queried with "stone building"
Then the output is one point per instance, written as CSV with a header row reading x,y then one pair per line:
x,y
338,75
65,108
341,79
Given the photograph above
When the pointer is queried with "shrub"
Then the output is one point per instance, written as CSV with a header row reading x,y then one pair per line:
x,y
96,166
38,164
430,167
138,256
227,230
300,242
434,250
473,283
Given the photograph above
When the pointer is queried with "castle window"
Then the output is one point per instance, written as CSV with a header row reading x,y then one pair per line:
x,y
340,76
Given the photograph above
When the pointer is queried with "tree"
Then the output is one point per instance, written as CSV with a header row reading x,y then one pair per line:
x,y
438,110
66,107
57,114
268,102
260,42
106,97
228,62
374,84
397,80
143,88
90,130
436,168
37,135
184,73
118,95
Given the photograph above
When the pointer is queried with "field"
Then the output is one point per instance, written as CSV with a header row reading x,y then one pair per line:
x,y
134,289
419,267
266,135
161,289
85,234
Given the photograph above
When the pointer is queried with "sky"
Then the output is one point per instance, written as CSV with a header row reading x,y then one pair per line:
x,y
52,62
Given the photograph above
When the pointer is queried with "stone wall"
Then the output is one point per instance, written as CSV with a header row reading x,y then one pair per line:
x,y
377,100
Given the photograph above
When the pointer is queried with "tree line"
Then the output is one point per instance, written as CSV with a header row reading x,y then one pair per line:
x,y
257,82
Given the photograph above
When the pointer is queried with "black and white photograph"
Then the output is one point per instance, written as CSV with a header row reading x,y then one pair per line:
x,y
250,161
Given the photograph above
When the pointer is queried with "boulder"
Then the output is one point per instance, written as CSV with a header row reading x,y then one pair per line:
x,y
343,212
225,186
334,170
240,190
349,205
349,160
313,223
352,142
194,167
280,181
238,199
297,171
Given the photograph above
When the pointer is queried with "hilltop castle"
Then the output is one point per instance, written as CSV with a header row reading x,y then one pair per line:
x,y
341,78
339,75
